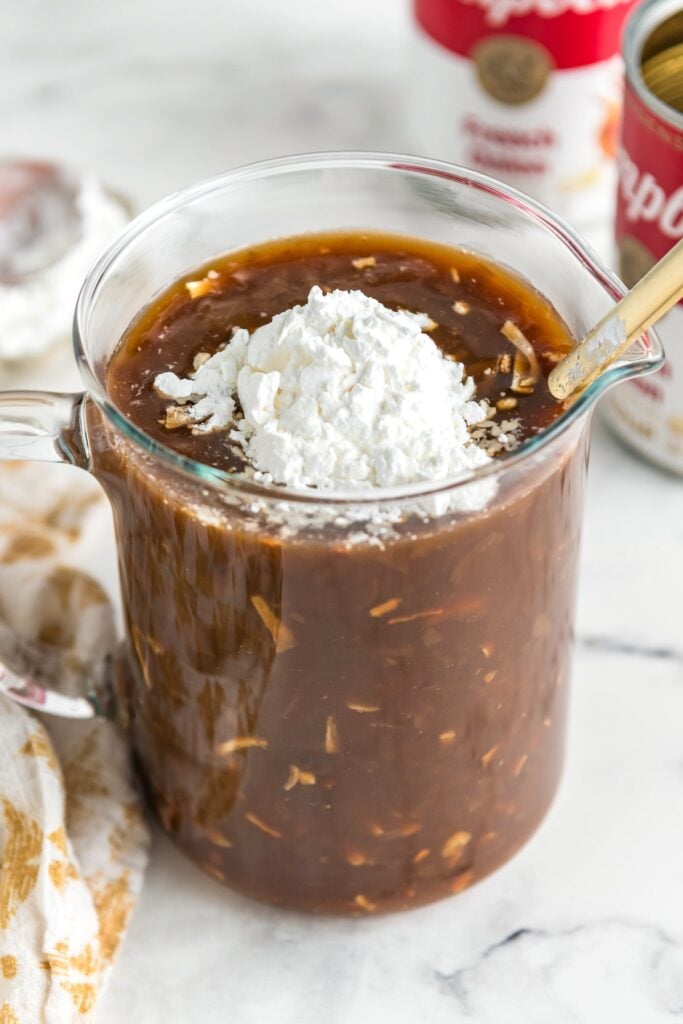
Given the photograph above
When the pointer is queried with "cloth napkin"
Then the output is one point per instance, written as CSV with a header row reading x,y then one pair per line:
x,y
73,843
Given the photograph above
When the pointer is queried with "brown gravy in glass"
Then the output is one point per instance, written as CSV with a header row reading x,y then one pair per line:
x,y
468,298
338,727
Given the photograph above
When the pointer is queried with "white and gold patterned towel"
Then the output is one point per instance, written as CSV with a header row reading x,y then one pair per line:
x,y
73,844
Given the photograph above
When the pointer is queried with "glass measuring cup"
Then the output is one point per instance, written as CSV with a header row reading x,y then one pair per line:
x,y
337,704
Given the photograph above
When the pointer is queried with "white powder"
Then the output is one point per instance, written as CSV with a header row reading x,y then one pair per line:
x,y
340,393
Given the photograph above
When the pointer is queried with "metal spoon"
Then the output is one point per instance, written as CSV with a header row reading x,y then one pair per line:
x,y
650,299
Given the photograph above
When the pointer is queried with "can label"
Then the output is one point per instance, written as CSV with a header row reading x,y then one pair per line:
x,y
649,413
525,90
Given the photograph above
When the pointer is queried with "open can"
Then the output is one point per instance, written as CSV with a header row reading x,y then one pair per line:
x,y
648,415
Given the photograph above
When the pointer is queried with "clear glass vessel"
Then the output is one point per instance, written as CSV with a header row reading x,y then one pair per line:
x,y
337,705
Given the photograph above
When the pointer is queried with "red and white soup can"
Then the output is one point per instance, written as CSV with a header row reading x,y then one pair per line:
x,y
648,414
528,91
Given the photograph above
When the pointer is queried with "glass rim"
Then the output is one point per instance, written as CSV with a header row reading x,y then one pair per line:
x,y
237,482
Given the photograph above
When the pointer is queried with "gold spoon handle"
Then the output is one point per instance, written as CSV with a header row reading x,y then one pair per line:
x,y
650,299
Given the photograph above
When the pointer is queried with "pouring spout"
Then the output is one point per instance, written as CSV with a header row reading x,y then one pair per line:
x,y
608,344
645,356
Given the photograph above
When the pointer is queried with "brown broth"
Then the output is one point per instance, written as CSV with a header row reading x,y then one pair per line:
x,y
255,284
335,726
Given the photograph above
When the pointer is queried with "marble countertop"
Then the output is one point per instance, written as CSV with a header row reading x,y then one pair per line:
x,y
585,924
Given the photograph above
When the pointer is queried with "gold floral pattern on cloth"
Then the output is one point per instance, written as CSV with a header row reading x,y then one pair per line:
x,y
73,844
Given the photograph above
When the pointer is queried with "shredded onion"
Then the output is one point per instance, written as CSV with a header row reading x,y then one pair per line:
x,y
525,371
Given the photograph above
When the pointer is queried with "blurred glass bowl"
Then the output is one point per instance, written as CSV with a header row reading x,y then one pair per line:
x,y
55,220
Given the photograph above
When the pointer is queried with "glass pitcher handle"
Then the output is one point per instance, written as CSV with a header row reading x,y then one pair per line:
x,y
47,426
43,426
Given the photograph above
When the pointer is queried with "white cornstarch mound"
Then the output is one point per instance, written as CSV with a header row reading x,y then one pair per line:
x,y
338,393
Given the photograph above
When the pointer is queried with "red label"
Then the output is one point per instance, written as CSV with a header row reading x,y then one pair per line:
x,y
575,32
650,198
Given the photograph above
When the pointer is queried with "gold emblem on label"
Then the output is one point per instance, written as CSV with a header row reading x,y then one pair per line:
x,y
512,69
635,259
